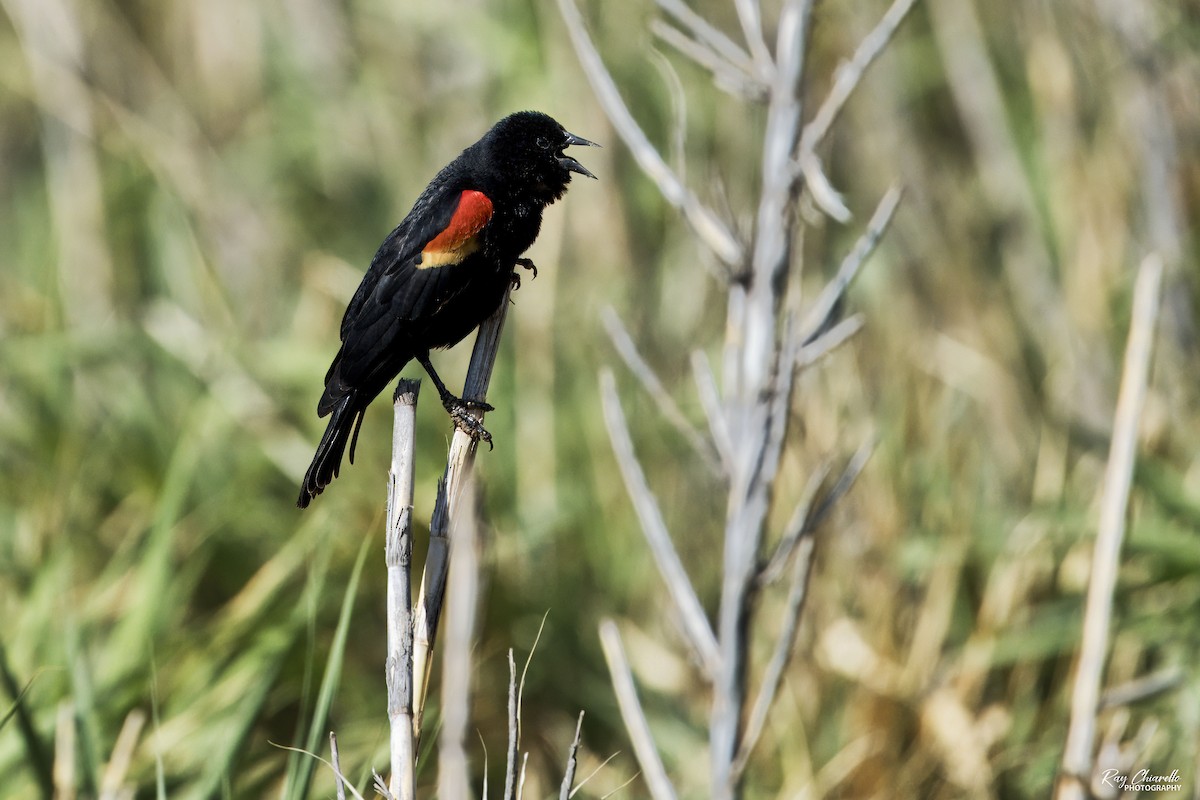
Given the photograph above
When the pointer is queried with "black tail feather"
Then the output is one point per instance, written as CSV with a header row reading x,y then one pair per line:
x,y
328,459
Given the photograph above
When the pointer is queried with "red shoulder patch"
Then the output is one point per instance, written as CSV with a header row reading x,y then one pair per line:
x,y
458,240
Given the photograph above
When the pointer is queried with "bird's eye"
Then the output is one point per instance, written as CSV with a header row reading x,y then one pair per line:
x,y
543,142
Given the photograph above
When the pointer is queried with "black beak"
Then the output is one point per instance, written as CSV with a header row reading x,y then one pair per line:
x,y
571,164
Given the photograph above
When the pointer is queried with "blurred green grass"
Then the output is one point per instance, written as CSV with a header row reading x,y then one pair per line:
x,y
190,194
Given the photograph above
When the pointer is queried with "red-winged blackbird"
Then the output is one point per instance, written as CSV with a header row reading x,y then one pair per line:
x,y
442,272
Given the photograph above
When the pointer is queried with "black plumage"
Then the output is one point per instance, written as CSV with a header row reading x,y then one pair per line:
x,y
440,273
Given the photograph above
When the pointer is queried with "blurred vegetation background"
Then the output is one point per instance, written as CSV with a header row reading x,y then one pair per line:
x,y
190,192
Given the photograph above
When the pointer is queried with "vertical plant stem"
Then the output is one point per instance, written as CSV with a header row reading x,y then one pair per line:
x,y
459,464
453,780
752,403
514,735
339,785
657,782
568,781
398,554
1085,695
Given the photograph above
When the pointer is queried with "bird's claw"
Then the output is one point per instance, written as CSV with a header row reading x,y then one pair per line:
x,y
524,263
466,422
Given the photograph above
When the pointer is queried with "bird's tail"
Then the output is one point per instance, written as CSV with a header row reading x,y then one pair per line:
x,y
328,459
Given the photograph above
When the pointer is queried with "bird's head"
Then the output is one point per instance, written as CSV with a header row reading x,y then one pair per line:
x,y
528,150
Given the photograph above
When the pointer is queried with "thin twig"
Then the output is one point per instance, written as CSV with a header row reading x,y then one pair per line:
x,y
827,198
618,789
710,401
1141,689
775,218
797,527
338,784
398,555
564,790
850,73
725,76
514,736
594,772
846,79
678,111
453,781
821,313
712,38
336,771
666,404
459,463
695,624
766,465
1085,695
845,481
655,773
782,655
750,16
516,702
830,340
707,225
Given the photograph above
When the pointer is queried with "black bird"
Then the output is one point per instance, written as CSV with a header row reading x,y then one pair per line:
x,y
442,272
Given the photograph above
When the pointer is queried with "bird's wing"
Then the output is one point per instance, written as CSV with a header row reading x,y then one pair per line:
x,y
412,274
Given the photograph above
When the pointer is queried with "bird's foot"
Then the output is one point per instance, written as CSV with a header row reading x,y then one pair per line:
x,y
524,263
466,422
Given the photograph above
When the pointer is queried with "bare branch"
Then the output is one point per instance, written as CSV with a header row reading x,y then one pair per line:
x,y
822,310
666,404
1143,688
797,527
725,75
1085,695
564,790
775,219
763,387
696,628
636,726
514,736
678,111
750,16
711,229
710,37
829,341
845,481
782,654
710,401
338,776
338,784
851,72
827,198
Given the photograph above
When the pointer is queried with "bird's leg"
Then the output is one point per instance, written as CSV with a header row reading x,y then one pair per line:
x,y
524,263
456,406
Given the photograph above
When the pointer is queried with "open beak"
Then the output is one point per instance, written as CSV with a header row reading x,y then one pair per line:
x,y
571,164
